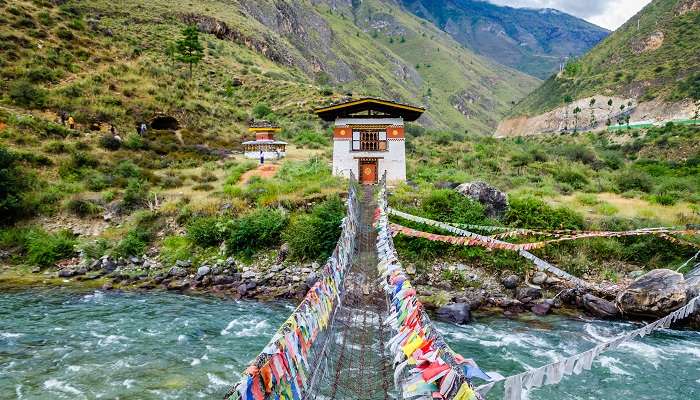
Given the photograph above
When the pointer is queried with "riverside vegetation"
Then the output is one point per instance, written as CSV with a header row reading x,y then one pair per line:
x,y
168,208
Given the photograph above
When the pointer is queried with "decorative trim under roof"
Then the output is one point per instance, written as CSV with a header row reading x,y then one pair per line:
x,y
263,142
262,125
388,108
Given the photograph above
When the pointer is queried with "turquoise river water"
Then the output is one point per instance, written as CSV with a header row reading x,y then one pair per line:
x,y
57,344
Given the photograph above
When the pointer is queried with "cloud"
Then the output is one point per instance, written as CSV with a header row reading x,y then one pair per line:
x,y
606,13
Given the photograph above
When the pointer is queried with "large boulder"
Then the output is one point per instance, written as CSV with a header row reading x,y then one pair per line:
x,y
692,283
510,281
539,278
528,294
654,294
458,313
542,308
600,308
494,201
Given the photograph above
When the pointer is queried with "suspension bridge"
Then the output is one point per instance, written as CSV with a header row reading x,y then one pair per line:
x,y
361,332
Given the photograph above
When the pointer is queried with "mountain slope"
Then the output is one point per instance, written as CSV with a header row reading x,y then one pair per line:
x,y
651,66
283,52
373,47
531,40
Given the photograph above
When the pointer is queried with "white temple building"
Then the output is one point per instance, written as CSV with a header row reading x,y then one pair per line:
x,y
264,142
369,138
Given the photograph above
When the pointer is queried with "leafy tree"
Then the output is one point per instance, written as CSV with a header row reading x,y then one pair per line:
x,y
590,105
189,49
572,68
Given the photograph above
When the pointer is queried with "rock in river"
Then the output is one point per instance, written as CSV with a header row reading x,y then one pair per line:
x,y
458,313
600,308
654,294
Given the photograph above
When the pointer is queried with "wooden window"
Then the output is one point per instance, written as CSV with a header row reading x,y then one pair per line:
x,y
369,140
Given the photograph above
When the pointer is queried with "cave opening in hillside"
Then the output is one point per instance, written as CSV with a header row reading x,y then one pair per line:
x,y
164,123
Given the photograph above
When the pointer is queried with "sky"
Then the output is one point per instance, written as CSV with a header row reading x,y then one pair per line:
x,y
609,14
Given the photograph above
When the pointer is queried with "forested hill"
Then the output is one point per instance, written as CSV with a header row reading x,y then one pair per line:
x,y
531,40
109,61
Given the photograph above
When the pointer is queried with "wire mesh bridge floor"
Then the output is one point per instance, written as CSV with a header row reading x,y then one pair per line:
x,y
355,364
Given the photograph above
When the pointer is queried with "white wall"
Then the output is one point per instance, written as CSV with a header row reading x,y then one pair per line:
x,y
393,160
269,155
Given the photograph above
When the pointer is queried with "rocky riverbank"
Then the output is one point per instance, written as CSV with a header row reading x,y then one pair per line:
x,y
451,290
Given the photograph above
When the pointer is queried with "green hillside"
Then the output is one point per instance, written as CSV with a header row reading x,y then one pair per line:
x,y
655,55
108,62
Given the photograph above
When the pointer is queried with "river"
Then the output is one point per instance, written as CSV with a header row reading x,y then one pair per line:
x,y
59,344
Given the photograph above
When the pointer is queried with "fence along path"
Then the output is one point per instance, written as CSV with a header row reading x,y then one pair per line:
x,y
361,333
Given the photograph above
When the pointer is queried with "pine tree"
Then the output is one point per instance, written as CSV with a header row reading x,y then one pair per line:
x,y
189,49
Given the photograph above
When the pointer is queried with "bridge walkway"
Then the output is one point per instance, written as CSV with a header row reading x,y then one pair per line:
x,y
356,365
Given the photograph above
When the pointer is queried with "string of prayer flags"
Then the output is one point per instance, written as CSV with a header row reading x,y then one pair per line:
x,y
425,366
553,373
494,243
486,241
282,370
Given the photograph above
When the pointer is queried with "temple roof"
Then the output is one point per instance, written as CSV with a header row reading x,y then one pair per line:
x,y
263,125
264,142
386,108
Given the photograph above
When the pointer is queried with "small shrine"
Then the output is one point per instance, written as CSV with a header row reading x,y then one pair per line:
x,y
369,138
264,143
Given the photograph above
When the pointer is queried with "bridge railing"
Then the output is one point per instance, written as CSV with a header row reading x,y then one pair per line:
x,y
424,362
287,367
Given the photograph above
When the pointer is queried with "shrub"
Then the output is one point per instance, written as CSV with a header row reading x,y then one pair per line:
x,y
42,74
206,231
127,169
310,139
26,94
666,199
109,142
313,236
175,248
96,181
530,212
94,249
448,205
135,194
606,209
134,141
134,243
56,147
83,208
258,229
587,199
261,110
14,185
81,159
46,249
571,176
633,179
578,152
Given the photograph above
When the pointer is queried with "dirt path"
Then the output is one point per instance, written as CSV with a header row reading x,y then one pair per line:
x,y
264,171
